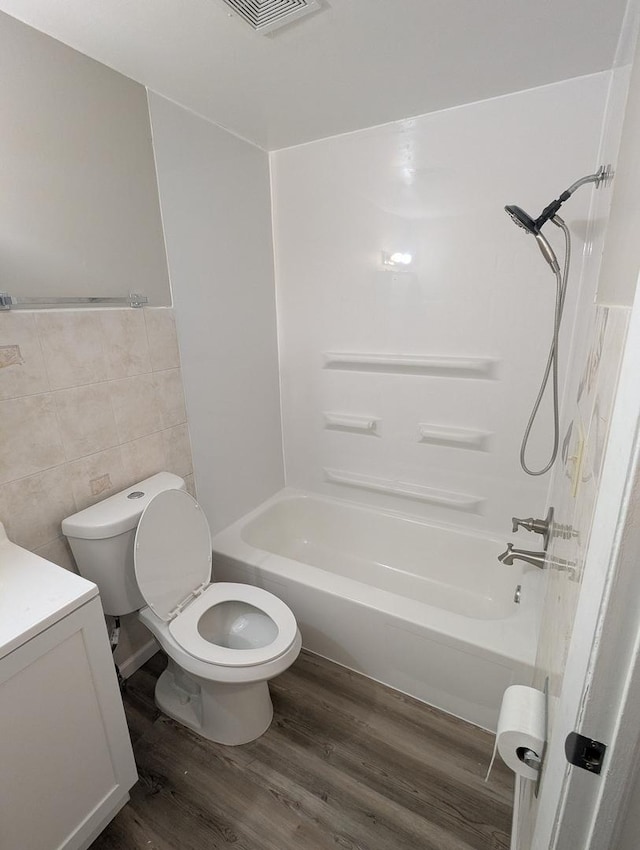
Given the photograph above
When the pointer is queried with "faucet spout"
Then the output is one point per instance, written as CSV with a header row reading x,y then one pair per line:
x,y
536,559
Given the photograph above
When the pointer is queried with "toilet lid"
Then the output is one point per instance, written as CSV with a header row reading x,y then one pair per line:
x,y
172,551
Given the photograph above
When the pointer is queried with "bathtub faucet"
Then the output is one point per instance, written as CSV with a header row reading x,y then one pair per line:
x,y
537,559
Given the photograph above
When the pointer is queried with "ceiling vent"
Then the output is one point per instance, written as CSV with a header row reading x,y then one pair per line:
x,y
265,16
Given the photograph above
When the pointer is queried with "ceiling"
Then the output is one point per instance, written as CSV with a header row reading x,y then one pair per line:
x,y
353,64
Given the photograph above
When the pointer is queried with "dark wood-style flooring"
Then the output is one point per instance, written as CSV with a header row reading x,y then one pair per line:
x,y
347,764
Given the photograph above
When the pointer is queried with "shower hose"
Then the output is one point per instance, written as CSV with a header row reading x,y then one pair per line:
x,y
552,361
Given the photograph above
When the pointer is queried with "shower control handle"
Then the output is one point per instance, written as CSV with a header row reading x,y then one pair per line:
x,y
522,523
539,526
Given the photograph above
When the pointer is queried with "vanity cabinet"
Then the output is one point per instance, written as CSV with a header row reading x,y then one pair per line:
x,y
65,753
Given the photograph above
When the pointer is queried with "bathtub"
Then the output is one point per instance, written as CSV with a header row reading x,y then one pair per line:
x,y
426,609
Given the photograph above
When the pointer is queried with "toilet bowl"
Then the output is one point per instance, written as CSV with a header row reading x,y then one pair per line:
x,y
224,641
225,699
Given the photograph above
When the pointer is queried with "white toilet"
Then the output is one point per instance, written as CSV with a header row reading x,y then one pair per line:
x,y
149,549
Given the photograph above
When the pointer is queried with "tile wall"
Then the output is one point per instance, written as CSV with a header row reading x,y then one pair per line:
x,y
91,401
575,488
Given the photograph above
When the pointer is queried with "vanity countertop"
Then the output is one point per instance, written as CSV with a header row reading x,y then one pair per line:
x,y
34,594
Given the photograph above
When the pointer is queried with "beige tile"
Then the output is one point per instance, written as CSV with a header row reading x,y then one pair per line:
x,y
177,450
163,340
32,508
170,398
87,423
135,407
95,477
72,344
607,382
143,457
125,339
29,436
190,481
22,369
58,552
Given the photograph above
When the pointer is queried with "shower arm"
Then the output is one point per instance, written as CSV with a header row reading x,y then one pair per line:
x,y
602,175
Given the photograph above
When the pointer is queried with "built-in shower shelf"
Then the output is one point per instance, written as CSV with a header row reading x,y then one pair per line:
x,y
410,364
416,492
350,422
461,438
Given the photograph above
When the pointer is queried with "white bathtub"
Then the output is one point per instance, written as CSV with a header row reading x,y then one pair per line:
x,y
425,609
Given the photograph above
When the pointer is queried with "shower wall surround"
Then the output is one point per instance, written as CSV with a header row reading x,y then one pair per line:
x,y
216,206
443,356
91,401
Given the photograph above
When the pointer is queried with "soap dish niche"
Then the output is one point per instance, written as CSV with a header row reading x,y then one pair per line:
x,y
351,423
453,437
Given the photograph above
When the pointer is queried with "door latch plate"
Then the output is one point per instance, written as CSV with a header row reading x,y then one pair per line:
x,y
584,752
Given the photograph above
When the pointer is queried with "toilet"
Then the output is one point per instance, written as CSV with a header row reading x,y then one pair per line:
x,y
148,549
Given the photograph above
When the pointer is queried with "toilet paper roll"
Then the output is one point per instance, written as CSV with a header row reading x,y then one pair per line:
x,y
521,727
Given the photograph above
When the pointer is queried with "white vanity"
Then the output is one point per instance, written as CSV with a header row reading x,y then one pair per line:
x,y
65,753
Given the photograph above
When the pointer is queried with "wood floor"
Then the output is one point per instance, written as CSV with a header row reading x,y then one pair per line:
x,y
347,764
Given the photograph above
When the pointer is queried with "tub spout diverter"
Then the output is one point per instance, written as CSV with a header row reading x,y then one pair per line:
x,y
537,559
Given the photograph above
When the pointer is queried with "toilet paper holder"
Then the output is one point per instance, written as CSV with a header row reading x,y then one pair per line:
x,y
530,758
533,758
545,691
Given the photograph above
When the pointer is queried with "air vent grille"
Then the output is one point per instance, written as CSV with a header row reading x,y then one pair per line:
x,y
267,15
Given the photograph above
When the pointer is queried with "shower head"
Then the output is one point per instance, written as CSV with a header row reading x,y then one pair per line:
x,y
533,225
547,252
522,219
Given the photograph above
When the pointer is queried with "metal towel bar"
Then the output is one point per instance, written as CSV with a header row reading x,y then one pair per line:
x,y
11,302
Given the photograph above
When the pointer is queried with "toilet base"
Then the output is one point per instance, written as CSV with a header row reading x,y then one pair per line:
x,y
230,714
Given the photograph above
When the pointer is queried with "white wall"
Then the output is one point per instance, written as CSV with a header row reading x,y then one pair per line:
x,y
215,199
622,255
79,211
435,186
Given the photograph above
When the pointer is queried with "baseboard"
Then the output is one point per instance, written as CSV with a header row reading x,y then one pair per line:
x,y
138,658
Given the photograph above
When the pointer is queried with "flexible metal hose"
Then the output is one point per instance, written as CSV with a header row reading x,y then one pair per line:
x,y
552,361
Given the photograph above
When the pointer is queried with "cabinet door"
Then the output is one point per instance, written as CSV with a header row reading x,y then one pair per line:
x,y
65,753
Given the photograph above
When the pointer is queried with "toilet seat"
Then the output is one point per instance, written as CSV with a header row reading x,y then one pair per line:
x,y
172,563
184,628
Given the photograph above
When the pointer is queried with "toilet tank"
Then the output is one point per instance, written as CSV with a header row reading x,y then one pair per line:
x,y
102,537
